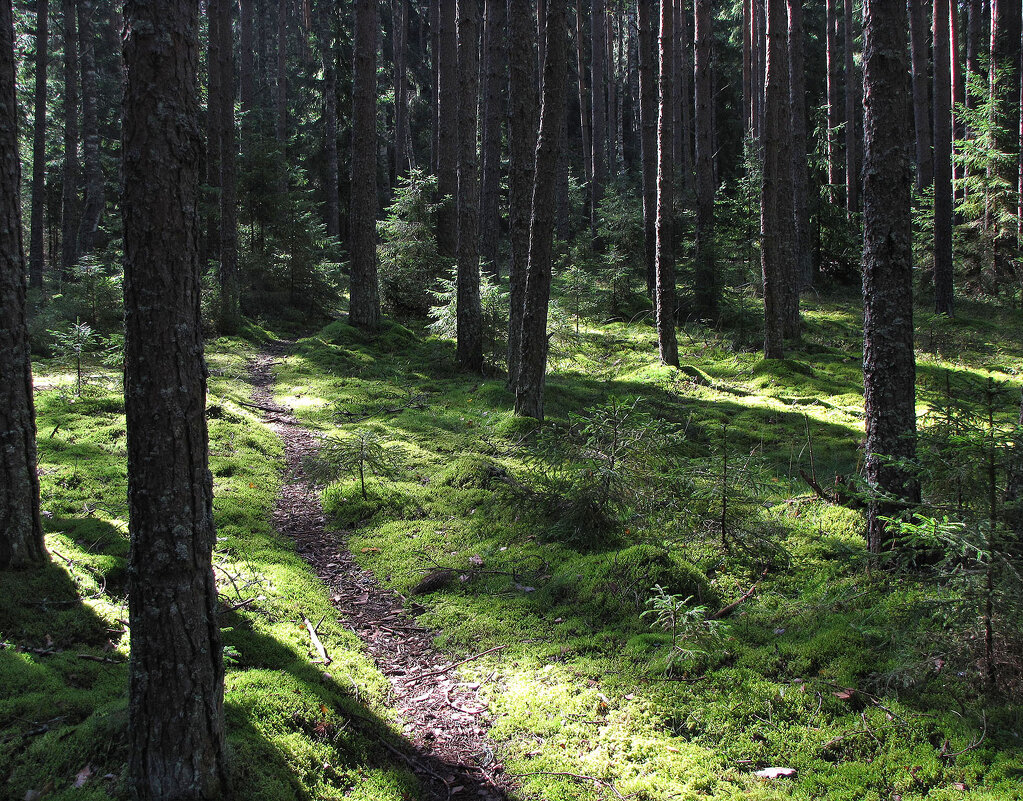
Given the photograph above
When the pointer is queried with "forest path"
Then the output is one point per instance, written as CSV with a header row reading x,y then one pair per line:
x,y
446,747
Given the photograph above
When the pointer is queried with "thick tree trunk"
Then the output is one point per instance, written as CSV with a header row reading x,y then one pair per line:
x,y
447,131
469,321
38,211
521,161
402,134
664,305
800,171
777,228
529,389
21,531
494,114
92,209
705,272
364,304
921,95
942,160
598,82
648,139
176,715
230,296
889,367
69,202
852,86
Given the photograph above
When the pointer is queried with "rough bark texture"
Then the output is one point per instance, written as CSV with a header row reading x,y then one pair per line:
x,y
664,306
21,531
684,32
38,211
835,111
648,138
942,160
402,133
209,242
469,322
598,82
852,170
800,171
958,78
776,220
92,209
521,161
176,717
332,166
747,66
494,114
230,295
921,94
246,70
364,305
889,368
705,271
69,197
533,360
585,118
447,130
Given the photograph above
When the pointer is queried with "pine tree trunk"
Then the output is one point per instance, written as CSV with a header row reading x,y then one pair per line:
x,y
402,134
230,296
281,87
852,172
435,86
21,531
598,82
760,64
889,368
664,306
364,304
469,322
648,139
942,160
38,211
705,272
176,716
332,166
777,222
494,114
958,83
447,131
92,209
529,392
522,130
747,66
921,95
614,116
69,203
835,111
246,70
585,114
800,171
684,32
209,243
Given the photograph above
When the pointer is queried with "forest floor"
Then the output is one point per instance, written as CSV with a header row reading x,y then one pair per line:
x,y
579,567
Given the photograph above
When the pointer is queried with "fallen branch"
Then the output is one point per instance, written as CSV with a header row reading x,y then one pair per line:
x,y
326,660
601,782
101,659
263,408
974,744
456,664
725,611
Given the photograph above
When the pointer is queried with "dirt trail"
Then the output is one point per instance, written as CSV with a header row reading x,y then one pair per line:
x,y
446,725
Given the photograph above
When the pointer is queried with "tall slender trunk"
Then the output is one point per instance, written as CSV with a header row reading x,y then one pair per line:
x,y
835,110
92,209
529,390
21,531
958,82
585,118
469,320
38,210
760,64
435,120
69,203
942,160
598,82
852,171
921,94
889,368
332,165
747,66
402,134
209,242
447,132
494,114
246,70
648,139
800,171
364,304
664,306
281,87
175,716
522,130
684,32
614,112
230,296
705,272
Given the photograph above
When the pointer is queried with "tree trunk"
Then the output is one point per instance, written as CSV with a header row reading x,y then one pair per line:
x,y
760,64
800,173
494,114
522,133
921,96
69,204
529,390
835,112
92,209
209,243
747,66
958,81
332,177
469,320
598,82
364,304
176,694
281,88
246,80
684,33
435,121
585,118
38,212
705,272
664,306
889,368
614,115
648,139
21,531
402,134
942,160
230,297
777,222
852,172
447,132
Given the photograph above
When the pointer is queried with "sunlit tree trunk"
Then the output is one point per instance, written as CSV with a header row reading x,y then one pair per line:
x,y
648,138
664,307
38,210
852,170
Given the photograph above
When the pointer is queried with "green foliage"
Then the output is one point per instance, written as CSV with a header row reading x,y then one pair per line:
x,y
358,453
692,628
71,346
494,304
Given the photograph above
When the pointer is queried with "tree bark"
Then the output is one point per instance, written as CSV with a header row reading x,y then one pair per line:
x,y
747,66
705,272
494,114
958,81
69,202
230,296
176,716
664,306
852,171
246,70
447,133
21,531
402,134
684,32
38,212
209,243
585,118
889,368
942,160
835,110
529,392
648,139
92,209
522,132
803,260
332,177
469,321
281,87
598,82
364,305
777,222
921,96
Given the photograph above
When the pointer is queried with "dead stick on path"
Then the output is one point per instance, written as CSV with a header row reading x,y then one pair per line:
x,y
456,664
262,408
605,782
725,611
316,642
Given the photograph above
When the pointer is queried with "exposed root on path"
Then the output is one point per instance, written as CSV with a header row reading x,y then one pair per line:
x,y
446,744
